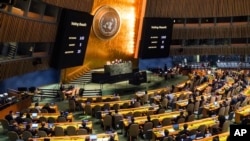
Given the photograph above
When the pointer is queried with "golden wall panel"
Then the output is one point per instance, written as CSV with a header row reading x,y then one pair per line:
x,y
123,44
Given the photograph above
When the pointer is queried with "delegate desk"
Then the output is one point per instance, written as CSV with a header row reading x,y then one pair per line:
x,y
212,107
176,94
184,103
222,137
141,120
64,125
52,106
182,85
242,112
223,89
246,91
144,110
111,103
202,87
94,137
152,92
158,132
53,115
94,98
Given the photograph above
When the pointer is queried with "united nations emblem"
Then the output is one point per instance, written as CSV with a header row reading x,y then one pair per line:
x,y
106,22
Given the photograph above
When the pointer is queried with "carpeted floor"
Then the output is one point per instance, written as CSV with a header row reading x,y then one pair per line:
x,y
125,90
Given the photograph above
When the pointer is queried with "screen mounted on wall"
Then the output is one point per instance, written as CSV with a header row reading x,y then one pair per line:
x,y
155,38
72,38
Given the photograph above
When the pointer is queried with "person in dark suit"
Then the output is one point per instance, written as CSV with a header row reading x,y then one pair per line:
x,y
85,127
14,127
180,116
47,107
19,119
43,128
9,117
28,128
148,119
185,130
199,134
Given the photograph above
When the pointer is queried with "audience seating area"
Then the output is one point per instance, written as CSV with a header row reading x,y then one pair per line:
x,y
201,108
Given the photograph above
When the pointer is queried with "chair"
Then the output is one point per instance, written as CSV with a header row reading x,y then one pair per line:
x,y
129,114
88,109
107,121
144,99
61,119
227,110
225,126
12,136
26,135
59,131
137,114
82,132
133,131
117,121
116,106
212,99
149,135
71,130
199,112
137,104
5,125
106,106
44,111
150,112
166,121
181,120
190,107
202,128
97,111
125,105
161,111
221,111
191,118
156,122
42,119
196,105
147,126
51,120
164,103
41,134
72,105
98,99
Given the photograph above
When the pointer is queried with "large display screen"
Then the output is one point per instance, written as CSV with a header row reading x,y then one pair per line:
x,y
156,38
72,38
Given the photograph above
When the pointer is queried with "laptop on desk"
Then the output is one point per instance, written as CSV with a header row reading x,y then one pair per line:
x,y
34,125
34,115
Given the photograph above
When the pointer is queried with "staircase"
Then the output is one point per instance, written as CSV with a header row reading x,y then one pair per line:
x,y
84,79
12,52
46,93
